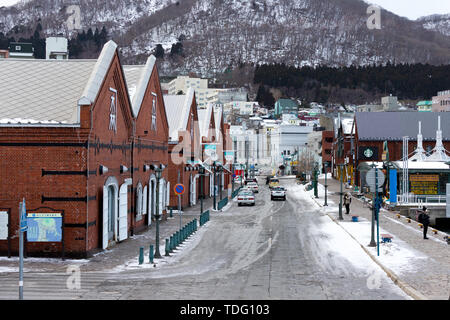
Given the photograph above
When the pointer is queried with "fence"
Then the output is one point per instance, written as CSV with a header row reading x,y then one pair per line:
x,y
222,203
414,198
235,193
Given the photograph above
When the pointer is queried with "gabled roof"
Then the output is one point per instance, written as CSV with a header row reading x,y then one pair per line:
x,y
393,126
137,78
204,119
177,110
43,92
218,120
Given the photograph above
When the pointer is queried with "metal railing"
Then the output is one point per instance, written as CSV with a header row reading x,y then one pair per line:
x,y
222,203
421,199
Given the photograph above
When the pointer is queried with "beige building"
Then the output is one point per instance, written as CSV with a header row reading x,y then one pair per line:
x,y
441,102
203,94
182,83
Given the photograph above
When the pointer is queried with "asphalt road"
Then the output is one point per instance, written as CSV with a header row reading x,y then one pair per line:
x,y
274,250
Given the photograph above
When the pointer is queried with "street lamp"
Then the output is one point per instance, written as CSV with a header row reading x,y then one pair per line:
x,y
158,170
201,172
220,170
341,165
214,189
316,172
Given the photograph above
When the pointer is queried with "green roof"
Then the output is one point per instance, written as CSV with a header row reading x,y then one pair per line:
x,y
425,103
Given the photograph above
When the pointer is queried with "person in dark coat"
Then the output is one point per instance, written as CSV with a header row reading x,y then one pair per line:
x,y
424,219
347,202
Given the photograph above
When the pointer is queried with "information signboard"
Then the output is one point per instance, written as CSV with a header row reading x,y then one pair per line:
x,y
44,227
3,225
424,184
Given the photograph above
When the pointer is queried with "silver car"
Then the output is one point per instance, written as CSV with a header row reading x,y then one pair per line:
x,y
278,193
253,186
246,198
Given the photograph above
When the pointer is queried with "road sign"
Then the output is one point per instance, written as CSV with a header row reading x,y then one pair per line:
x,y
370,179
179,189
23,217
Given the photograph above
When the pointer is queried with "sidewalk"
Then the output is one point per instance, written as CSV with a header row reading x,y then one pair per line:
x,y
121,253
420,267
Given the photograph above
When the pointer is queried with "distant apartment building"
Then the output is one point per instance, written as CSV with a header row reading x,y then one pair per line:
x,y
182,83
441,102
390,103
240,107
56,48
223,96
286,106
4,54
21,50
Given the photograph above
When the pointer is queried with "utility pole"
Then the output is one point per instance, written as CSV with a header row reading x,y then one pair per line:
x,y
341,174
325,165
372,237
23,229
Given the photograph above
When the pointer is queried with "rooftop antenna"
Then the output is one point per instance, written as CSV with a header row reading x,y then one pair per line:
x,y
419,153
439,153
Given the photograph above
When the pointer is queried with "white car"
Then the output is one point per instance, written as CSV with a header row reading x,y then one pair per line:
x,y
278,193
253,186
246,198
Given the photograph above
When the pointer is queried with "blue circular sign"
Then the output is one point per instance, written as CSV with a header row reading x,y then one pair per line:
x,y
179,189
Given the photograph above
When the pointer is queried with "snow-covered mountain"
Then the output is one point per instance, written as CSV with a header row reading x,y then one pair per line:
x,y
437,22
220,33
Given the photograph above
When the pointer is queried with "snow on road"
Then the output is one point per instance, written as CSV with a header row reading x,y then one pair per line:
x,y
338,252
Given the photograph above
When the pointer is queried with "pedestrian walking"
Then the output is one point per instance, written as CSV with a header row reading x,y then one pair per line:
x,y
347,202
424,219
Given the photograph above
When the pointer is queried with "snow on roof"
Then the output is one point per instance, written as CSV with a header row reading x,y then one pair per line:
x,y
424,165
347,125
137,78
177,110
49,91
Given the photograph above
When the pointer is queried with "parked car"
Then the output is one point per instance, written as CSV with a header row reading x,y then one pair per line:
x,y
246,197
253,186
278,193
274,182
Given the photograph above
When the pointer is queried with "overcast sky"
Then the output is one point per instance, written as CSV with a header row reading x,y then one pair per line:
x,y
411,9
414,9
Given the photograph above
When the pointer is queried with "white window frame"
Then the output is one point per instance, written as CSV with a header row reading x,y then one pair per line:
x,y
154,111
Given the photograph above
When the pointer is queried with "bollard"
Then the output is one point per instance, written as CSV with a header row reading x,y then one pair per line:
x,y
171,214
171,244
167,248
151,254
195,224
141,255
177,242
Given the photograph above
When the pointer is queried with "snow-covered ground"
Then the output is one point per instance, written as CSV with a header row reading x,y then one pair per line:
x,y
398,255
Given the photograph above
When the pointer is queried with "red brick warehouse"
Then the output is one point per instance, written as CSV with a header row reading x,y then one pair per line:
x,y
73,146
184,146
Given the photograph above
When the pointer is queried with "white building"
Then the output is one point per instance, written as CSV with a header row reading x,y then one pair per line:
x,y
56,48
286,140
